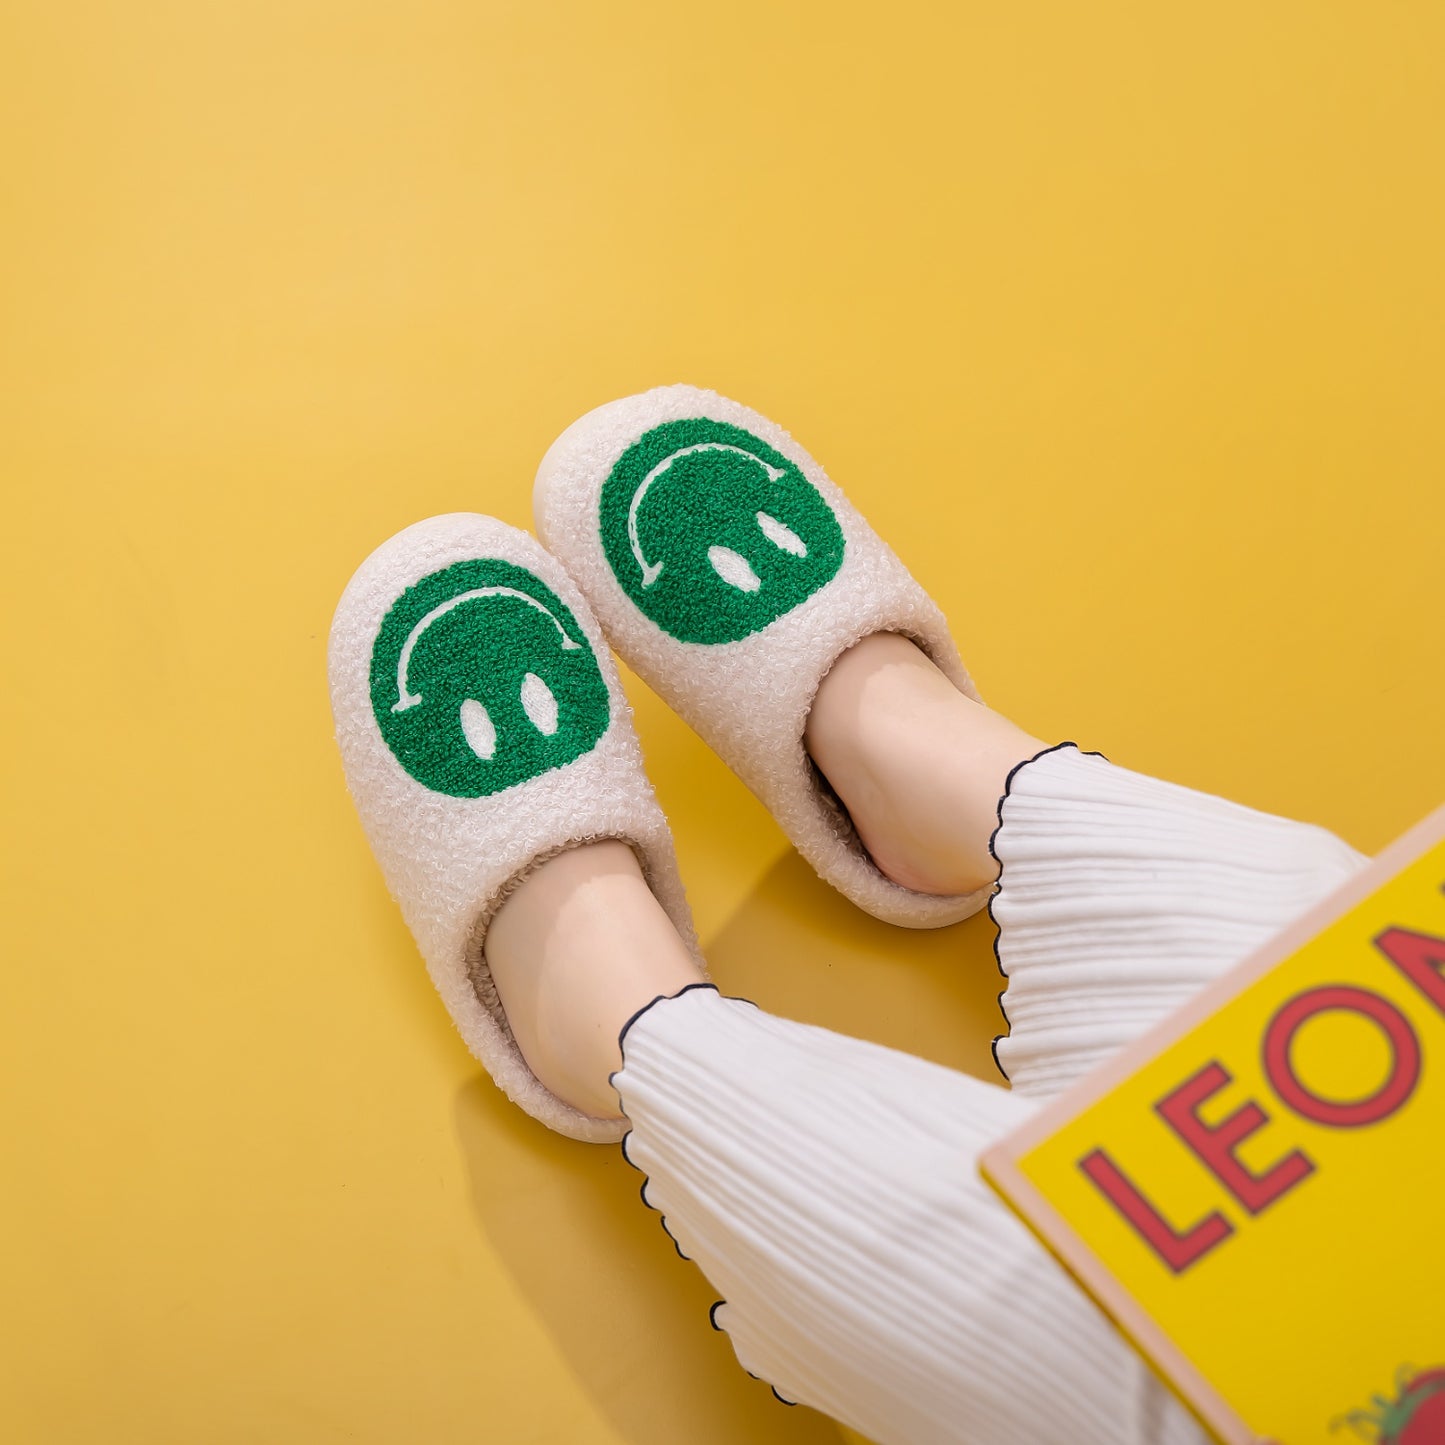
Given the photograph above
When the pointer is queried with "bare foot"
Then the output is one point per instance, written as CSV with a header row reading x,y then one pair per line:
x,y
575,951
919,766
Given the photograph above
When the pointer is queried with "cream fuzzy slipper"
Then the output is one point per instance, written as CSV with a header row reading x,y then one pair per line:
x,y
730,574
483,731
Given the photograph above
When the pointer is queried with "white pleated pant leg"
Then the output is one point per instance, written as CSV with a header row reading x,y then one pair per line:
x,y
828,1188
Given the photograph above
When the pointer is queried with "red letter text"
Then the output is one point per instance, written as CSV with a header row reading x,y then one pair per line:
x,y
1342,1114
1215,1143
1177,1250
1420,958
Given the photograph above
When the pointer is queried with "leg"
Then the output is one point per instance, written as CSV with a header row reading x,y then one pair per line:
x,y
825,1186
1120,895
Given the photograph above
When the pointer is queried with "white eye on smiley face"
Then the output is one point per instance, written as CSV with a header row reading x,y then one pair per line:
x,y
737,571
538,701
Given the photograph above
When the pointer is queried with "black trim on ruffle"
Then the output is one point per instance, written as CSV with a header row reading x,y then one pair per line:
x,y
642,1193
1008,783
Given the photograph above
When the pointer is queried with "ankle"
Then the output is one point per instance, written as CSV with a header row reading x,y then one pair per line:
x,y
919,766
575,951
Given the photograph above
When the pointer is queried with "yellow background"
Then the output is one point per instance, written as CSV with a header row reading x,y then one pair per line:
x,y
1312,1307
1123,322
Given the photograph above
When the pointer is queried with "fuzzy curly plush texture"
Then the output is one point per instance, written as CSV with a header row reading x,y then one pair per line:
x,y
449,861
749,699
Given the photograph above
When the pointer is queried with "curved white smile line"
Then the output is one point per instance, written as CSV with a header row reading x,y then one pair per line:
x,y
405,699
650,570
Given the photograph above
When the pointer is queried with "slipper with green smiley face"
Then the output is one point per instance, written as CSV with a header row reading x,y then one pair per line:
x,y
730,573
483,730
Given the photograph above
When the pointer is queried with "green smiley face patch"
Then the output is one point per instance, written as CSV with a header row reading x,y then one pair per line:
x,y
481,679
713,533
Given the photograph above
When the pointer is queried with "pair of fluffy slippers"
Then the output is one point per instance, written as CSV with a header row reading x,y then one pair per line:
x,y
478,710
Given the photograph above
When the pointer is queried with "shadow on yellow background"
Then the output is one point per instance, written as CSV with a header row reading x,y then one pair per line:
x,y
625,1315
604,1279
1124,324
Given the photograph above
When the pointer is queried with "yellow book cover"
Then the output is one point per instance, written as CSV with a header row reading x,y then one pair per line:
x,y
1255,1191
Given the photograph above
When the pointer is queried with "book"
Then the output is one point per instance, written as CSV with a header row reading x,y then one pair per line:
x,y
1255,1190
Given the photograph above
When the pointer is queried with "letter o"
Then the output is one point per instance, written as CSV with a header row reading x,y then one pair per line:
x,y
1342,1114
